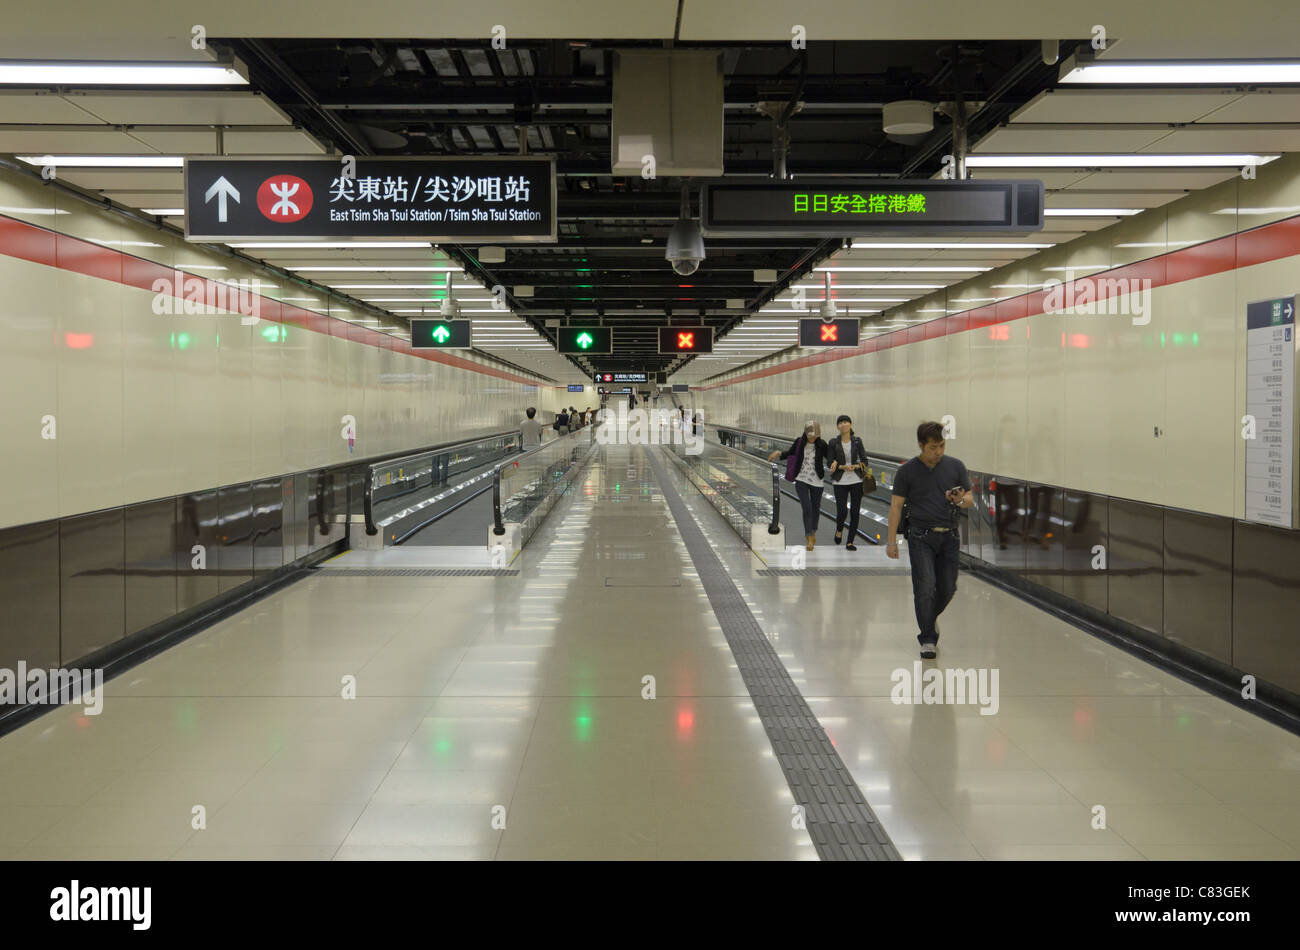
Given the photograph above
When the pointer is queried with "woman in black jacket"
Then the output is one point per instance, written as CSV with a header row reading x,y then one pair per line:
x,y
810,476
848,464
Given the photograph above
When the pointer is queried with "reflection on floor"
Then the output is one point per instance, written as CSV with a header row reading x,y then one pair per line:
x,y
502,716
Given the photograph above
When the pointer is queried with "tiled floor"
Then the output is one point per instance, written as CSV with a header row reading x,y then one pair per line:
x,y
503,717
1079,724
494,717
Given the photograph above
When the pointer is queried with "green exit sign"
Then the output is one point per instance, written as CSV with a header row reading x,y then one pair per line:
x,y
440,334
579,340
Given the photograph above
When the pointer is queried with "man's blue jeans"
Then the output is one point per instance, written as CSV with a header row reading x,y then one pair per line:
x,y
934,576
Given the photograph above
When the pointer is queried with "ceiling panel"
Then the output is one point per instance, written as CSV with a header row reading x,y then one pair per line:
x,y
1109,106
1234,138
237,142
1279,105
197,107
111,179
21,105
147,199
1082,198
1052,139
81,142
1142,179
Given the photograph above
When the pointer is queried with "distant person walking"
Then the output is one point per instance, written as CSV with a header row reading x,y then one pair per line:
x,y
561,422
933,487
808,472
531,430
848,460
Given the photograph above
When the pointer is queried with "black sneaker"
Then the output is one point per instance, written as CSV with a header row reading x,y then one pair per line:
x,y
929,651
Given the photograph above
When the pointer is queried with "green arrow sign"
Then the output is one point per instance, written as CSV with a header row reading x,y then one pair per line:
x,y
441,333
585,340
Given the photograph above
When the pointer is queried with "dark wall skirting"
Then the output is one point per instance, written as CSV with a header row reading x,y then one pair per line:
x,y
109,589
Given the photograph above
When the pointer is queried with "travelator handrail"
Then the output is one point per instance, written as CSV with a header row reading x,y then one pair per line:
x,y
782,438
774,527
498,518
510,439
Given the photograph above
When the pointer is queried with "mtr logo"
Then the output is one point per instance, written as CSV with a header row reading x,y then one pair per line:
x,y
284,199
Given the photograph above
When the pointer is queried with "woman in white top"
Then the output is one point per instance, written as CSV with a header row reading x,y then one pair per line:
x,y
848,460
809,475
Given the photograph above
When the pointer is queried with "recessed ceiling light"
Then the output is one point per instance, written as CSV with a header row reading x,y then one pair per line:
x,y
1090,212
947,246
24,73
436,268
1145,160
340,245
937,268
1181,72
105,161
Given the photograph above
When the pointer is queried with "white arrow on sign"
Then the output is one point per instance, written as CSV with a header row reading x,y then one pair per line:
x,y
223,190
1289,308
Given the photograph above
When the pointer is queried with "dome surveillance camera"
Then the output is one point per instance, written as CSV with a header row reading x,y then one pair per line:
x,y
685,248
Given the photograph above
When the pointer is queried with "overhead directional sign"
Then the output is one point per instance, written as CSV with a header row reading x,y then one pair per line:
x,y
814,331
580,340
848,207
621,378
685,340
440,334
448,199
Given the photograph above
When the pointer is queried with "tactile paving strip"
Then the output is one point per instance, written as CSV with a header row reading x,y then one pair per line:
x,y
839,820
412,572
830,571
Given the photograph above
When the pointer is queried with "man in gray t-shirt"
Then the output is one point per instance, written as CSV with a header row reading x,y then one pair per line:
x,y
933,487
531,430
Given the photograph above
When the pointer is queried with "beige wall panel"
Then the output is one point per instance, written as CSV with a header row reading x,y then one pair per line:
x,y
1045,432
29,482
149,418
1201,424
89,313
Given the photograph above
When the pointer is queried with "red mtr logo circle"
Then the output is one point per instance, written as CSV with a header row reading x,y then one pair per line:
x,y
284,199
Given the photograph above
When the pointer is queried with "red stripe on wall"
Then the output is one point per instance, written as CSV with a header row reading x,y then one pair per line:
x,y
29,242
1269,242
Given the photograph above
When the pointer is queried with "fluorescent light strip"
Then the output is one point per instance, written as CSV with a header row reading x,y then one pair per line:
x,y
937,268
1145,160
118,74
386,287
947,246
835,286
167,213
105,161
1090,212
423,268
1228,73
342,245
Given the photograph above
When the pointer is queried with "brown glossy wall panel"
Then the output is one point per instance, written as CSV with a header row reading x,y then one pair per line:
x,y
92,594
1198,582
1135,564
1266,604
976,533
150,564
197,525
29,595
1043,541
268,510
1087,526
237,529
1006,548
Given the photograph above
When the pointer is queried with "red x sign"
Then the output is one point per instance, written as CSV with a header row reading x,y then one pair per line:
x,y
830,333
686,341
